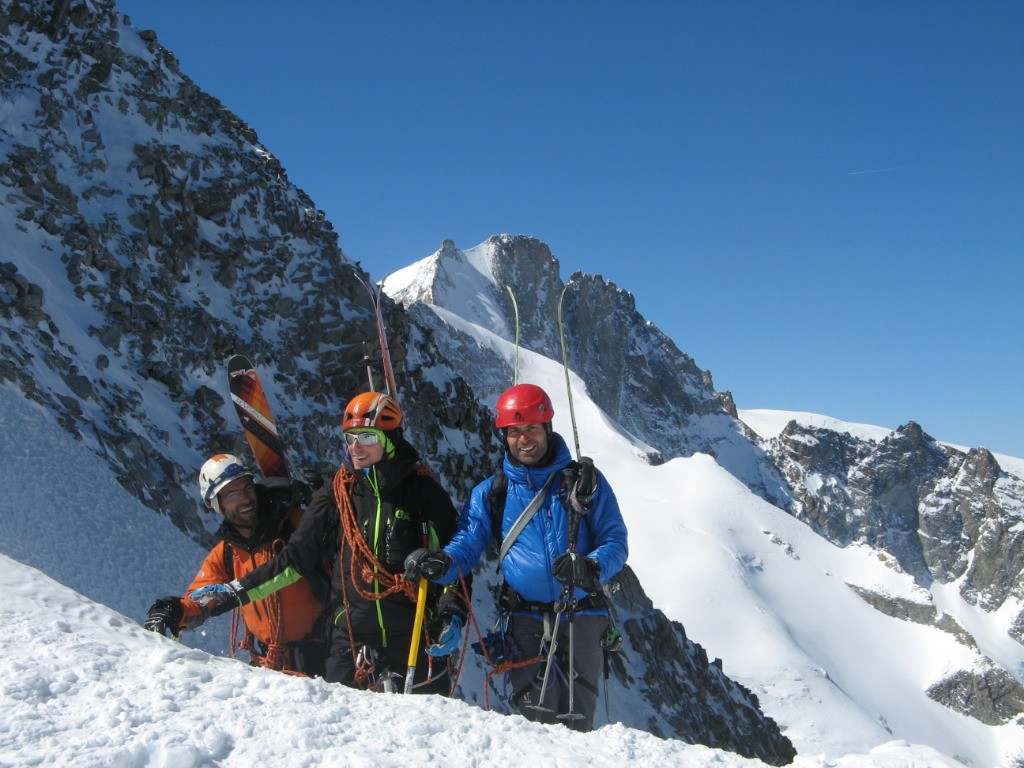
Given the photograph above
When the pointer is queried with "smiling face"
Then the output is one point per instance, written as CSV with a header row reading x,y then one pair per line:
x,y
527,443
361,454
238,505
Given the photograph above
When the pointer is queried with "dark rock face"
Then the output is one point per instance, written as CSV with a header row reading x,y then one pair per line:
x,y
701,701
990,695
940,513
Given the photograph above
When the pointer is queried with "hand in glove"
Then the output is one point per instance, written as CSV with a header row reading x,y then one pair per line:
x,y
573,569
216,599
583,486
449,639
424,564
164,616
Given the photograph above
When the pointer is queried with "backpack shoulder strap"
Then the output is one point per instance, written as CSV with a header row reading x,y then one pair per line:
x,y
496,504
524,518
229,561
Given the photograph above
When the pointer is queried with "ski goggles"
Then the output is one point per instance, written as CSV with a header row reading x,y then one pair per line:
x,y
363,438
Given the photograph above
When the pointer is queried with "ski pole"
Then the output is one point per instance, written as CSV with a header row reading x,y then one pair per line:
x,y
575,517
385,350
575,511
572,714
417,632
382,336
565,366
515,307
367,361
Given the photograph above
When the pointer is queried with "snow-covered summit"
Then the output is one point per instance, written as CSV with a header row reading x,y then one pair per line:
x,y
452,277
768,423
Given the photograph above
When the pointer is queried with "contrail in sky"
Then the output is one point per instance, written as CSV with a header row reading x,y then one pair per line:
x,y
877,170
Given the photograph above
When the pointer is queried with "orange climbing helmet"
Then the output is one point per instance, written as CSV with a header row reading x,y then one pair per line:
x,y
372,410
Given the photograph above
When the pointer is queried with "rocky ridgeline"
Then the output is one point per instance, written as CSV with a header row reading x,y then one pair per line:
x,y
635,373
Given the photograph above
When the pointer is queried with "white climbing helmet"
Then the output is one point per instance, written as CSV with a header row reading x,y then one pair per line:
x,y
217,472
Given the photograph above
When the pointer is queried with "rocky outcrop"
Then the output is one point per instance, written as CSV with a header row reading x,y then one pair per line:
x,y
941,514
702,703
924,613
989,695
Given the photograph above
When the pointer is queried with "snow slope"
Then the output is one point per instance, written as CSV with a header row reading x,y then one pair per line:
x,y
82,685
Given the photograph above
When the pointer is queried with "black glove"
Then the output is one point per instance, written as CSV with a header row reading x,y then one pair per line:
x,y
424,564
573,569
164,615
584,486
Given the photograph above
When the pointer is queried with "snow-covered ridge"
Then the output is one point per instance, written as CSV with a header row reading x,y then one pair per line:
x,y
769,423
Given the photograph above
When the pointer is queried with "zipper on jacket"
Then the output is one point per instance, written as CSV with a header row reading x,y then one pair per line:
x,y
372,478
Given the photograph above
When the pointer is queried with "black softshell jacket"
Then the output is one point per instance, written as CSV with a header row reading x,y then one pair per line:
x,y
397,510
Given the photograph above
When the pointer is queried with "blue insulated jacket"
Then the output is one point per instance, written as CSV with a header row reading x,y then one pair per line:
x,y
527,565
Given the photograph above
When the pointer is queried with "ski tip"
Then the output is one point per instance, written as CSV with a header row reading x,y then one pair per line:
x,y
239,363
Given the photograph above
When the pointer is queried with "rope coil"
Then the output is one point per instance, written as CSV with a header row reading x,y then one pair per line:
x,y
278,655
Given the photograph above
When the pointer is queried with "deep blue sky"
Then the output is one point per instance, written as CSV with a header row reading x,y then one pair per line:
x,y
821,202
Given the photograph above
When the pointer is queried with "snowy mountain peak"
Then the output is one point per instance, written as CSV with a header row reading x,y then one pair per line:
x,y
452,277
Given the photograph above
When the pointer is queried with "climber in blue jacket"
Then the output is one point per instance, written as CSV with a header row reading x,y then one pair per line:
x,y
555,559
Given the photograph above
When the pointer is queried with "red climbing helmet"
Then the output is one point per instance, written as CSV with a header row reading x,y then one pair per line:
x,y
523,404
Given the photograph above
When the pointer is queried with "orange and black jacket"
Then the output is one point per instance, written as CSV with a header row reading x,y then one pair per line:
x,y
236,556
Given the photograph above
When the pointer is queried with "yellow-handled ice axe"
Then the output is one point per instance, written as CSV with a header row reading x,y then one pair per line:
x,y
417,633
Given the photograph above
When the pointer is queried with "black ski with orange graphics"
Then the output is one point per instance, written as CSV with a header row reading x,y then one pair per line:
x,y
253,410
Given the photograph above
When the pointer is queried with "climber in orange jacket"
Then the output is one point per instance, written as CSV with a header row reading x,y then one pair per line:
x,y
282,632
